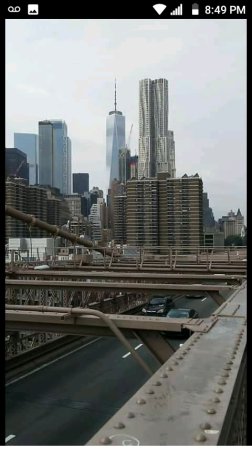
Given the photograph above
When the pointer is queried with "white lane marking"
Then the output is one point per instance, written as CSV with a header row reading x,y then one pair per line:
x,y
8,438
51,362
138,346
203,299
127,354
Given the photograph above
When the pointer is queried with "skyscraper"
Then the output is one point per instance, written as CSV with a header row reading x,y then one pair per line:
x,y
16,164
156,143
124,165
55,155
80,183
28,143
115,139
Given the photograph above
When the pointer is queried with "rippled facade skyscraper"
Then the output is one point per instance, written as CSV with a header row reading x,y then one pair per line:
x,y
115,140
156,142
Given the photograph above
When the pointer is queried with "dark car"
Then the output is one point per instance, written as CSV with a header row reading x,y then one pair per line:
x,y
194,295
181,313
158,306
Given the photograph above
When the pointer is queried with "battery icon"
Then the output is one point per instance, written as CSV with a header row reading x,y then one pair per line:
x,y
195,9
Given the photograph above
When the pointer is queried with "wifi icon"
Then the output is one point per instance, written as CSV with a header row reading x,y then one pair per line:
x,y
159,8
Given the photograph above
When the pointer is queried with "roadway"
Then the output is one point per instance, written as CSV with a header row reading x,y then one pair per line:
x,y
67,401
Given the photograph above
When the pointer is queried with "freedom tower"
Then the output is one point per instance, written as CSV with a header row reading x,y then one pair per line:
x,y
115,139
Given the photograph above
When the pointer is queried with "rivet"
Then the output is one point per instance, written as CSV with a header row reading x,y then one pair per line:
x,y
175,363
218,390
169,368
130,415
211,411
179,357
184,352
157,383
119,425
205,426
150,391
226,368
222,381
163,375
105,440
141,401
215,400
200,437
230,362
225,374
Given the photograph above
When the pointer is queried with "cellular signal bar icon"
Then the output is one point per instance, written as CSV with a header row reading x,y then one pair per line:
x,y
177,11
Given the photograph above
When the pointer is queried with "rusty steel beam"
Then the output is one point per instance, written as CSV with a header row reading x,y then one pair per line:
x,y
217,297
81,317
110,286
196,269
159,347
125,276
53,229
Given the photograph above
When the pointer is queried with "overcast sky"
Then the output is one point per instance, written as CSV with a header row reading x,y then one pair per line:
x,y
65,69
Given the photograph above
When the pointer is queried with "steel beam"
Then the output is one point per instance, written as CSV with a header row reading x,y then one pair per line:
x,y
158,346
188,400
116,287
53,229
47,274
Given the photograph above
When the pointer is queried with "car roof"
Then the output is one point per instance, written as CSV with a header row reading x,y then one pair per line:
x,y
181,309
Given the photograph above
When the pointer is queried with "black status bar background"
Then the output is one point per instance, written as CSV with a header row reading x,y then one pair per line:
x,y
121,10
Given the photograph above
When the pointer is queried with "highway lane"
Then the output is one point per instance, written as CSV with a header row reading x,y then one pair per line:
x,y
68,401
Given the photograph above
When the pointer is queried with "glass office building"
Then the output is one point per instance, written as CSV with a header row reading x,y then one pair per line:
x,y
115,140
55,155
28,143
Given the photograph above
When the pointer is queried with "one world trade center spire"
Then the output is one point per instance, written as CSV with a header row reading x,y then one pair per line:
x,y
115,140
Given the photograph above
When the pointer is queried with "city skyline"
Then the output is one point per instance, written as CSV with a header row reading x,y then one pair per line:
x,y
207,91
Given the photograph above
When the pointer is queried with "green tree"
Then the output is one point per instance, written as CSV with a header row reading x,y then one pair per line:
x,y
234,240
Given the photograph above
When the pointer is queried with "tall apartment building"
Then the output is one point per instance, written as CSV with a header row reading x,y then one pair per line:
x,y
232,224
133,167
119,219
115,139
55,167
16,164
80,183
165,211
124,165
74,204
28,143
116,188
156,142
142,213
28,199
15,196
180,211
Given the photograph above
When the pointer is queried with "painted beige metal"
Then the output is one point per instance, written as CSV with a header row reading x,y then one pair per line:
x,y
235,305
191,399
159,347
105,275
81,317
121,287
